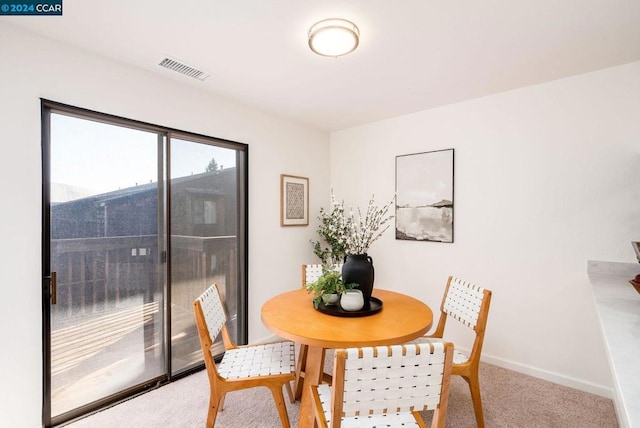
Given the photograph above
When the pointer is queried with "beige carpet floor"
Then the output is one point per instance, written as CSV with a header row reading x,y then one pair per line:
x,y
510,400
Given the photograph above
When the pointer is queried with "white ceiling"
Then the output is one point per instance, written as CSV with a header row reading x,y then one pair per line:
x,y
413,54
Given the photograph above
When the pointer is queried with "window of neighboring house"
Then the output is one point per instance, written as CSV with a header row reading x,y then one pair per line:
x,y
204,212
210,212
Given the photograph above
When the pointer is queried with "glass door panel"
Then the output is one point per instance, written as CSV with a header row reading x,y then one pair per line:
x,y
106,247
204,239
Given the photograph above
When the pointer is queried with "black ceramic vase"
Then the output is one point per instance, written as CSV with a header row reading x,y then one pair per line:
x,y
358,268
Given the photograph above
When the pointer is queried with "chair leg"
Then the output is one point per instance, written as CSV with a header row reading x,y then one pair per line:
x,y
300,368
287,385
276,391
215,404
474,387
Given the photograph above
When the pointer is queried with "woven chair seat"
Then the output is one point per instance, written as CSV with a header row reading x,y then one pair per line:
x,y
258,360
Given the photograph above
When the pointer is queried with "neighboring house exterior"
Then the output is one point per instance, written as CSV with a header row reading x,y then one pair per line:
x,y
110,243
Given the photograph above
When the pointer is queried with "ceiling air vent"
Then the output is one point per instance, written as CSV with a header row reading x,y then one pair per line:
x,y
180,67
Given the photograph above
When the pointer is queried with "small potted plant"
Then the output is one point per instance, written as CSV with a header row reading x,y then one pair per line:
x,y
328,288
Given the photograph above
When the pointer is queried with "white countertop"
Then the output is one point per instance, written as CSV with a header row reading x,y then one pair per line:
x,y
618,306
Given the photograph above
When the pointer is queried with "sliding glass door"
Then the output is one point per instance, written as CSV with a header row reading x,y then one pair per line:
x,y
105,248
138,220
204,239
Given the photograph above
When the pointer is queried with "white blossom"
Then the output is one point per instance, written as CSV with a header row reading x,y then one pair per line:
x,y
350,234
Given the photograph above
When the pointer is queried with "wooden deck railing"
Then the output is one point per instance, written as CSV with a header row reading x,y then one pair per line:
x,y
95,274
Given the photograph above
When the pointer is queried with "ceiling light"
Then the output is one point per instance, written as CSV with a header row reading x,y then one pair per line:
x,y
333,37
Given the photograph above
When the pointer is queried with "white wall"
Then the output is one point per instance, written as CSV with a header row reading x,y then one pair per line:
x,y
32,68
546,178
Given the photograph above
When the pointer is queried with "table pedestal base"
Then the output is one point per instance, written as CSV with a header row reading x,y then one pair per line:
x,y
313,376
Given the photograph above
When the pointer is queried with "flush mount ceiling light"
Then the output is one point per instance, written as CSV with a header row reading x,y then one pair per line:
x,y
333,37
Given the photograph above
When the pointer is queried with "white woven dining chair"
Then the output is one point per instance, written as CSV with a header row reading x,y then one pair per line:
x,y
386,386
270,364
310,273
468,304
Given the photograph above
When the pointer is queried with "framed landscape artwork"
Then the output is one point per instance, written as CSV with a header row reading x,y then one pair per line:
x,y
636,249
424,196
294,200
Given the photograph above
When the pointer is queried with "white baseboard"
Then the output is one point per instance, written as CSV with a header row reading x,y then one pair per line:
x,y
558,378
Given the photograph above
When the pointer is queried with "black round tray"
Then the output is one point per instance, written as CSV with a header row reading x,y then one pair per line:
x,y
375,306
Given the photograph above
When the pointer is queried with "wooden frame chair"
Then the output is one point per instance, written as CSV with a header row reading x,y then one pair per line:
x,y
310,273
386,386
468,304
270,365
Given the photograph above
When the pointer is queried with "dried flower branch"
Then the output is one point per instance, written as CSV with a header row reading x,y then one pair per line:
x,y
362,232
349,234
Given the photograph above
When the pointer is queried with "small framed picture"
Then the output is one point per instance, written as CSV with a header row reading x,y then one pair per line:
x,y
294,200
636,248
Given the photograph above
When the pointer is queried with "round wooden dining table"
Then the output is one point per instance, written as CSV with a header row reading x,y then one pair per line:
x,y
292,316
